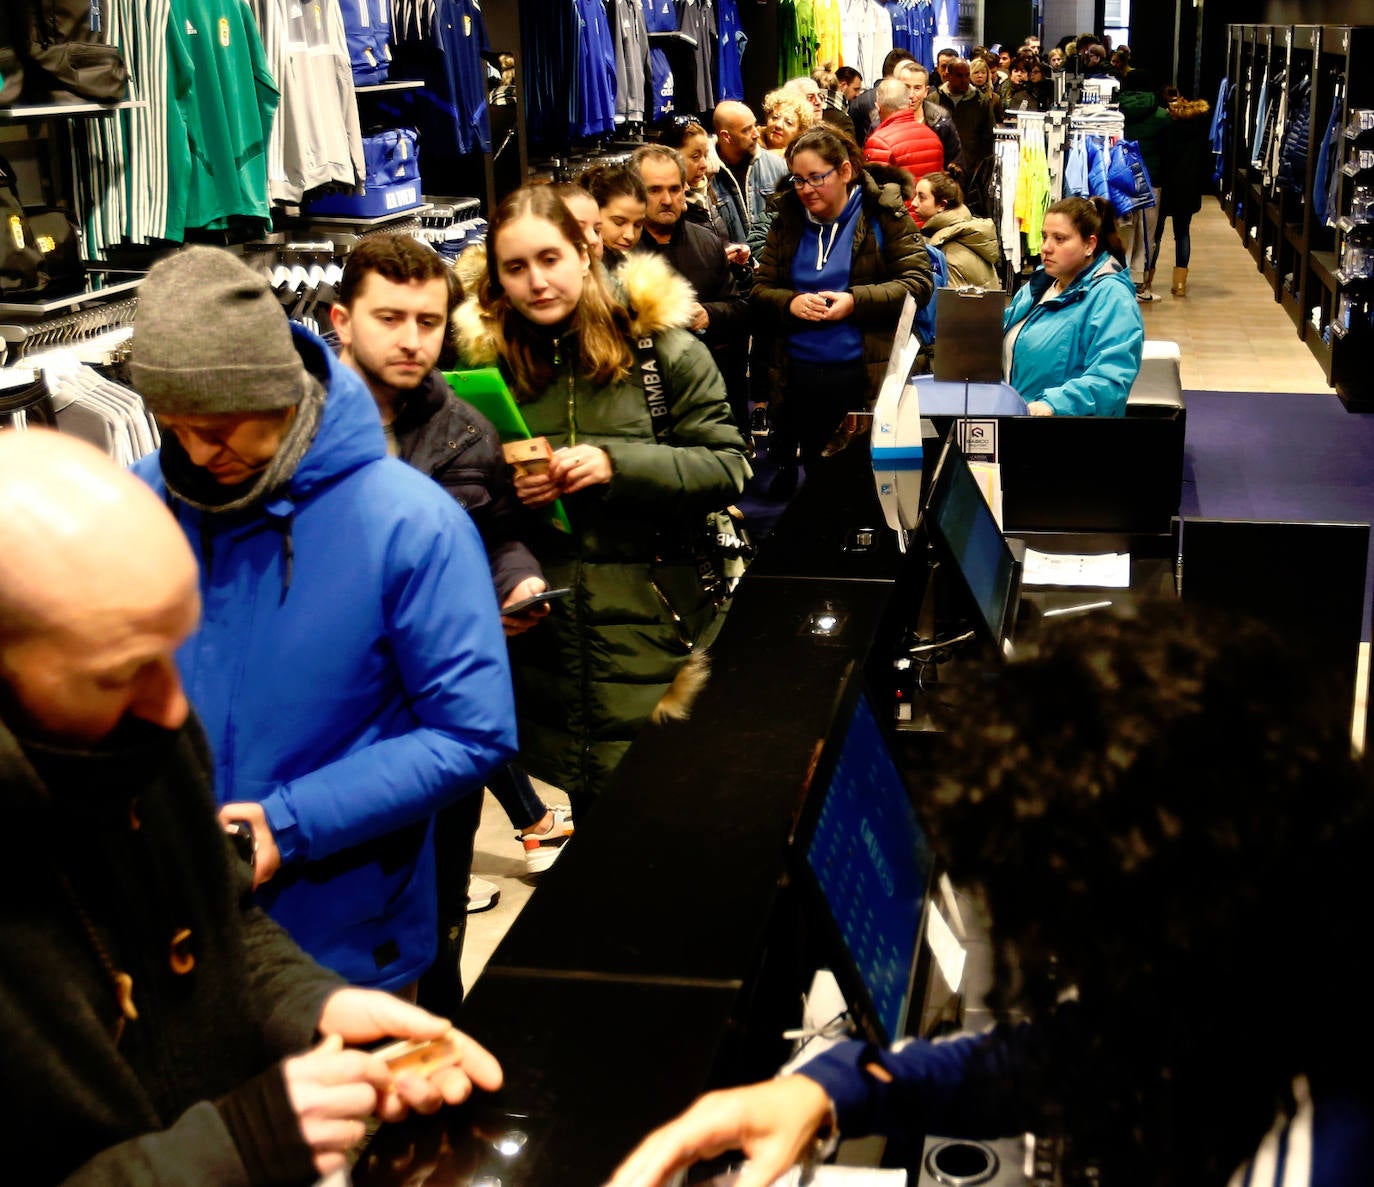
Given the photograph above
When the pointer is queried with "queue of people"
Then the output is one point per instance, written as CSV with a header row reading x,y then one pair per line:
x,y
345,578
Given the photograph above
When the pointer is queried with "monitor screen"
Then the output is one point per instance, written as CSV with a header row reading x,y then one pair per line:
x,y
959,517
873,864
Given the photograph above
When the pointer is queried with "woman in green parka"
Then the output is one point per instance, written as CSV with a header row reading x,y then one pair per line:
x,y
623,650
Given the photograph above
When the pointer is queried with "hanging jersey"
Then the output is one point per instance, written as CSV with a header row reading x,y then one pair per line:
x,y
697,18
828,34
631,59
731,50
462,36
234,101
367,26
594,98
660,17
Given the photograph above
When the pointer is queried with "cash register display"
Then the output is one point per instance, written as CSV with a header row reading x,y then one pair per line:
x,y
873,864
961,522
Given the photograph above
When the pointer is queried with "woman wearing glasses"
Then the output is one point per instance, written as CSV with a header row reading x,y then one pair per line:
x,y
842,255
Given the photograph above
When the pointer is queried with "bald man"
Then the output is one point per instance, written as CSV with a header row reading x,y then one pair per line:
x,y
742,178
156,1026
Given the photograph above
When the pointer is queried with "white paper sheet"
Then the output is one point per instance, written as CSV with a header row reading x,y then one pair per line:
x,y
1107,570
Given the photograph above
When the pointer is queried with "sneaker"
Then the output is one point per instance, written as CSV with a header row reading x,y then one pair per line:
x,y
542,849
482,895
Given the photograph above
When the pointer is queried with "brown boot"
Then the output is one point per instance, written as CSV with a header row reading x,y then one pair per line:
x,y
1180,286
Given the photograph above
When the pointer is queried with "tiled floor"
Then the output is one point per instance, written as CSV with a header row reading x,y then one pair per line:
x,y
1234,337
1233,334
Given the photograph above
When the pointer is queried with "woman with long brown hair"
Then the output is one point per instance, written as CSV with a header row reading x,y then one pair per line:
x,y
577,348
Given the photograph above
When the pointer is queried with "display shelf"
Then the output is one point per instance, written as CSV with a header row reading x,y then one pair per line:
x,y
101,285
337,220
1286,237
1324,265
382,88
49,111
1320,350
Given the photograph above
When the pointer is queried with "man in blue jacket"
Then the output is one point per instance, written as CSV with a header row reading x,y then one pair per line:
x,y
350,668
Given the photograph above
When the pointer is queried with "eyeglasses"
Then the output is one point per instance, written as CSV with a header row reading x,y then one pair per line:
x,y
815,181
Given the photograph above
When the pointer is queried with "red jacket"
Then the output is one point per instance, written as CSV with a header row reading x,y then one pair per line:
x,y
899,140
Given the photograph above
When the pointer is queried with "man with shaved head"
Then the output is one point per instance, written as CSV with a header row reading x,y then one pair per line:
x,y
157,1027
742,178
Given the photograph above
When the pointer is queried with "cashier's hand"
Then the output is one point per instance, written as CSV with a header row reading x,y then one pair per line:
x,y
577,467
518,624
1039,408
266,855
773,1123
364,1015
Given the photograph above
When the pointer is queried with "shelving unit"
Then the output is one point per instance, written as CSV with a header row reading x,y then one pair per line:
x,y
1284,227
61,111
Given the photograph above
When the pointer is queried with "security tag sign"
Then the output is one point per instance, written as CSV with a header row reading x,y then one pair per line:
x,y
978,439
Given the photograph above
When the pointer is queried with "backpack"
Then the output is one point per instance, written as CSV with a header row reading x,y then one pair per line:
x,y
720,548
40,247
70,61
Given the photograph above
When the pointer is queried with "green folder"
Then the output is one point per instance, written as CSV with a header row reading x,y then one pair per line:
x,y
485,389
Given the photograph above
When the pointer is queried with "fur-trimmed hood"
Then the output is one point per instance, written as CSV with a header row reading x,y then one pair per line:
x,y
893,175
1189,109
656,297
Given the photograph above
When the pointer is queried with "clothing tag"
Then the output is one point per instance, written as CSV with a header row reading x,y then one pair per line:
x,y
224,31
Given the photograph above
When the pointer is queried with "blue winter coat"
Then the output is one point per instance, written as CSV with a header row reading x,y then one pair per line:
x,y
1079,351
353,682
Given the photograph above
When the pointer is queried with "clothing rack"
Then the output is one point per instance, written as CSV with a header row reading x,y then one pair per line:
x,y
98,335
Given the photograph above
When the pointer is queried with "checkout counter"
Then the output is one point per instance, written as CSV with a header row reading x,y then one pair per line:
x,y
611,1012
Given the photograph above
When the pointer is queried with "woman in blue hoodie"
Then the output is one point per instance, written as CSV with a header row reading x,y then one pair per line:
x,y
841,257
1073,334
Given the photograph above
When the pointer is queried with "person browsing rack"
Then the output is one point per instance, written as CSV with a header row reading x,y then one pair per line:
x,y
1073,334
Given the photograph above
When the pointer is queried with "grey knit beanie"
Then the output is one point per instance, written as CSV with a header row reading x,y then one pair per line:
x,y
210,338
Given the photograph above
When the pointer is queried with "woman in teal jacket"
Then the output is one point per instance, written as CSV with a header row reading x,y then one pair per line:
x,y
1073,334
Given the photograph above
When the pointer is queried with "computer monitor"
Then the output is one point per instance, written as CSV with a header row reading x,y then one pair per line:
x,y
871,863
971,545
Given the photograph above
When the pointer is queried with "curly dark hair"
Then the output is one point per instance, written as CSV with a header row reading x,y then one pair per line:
x,y
1162,815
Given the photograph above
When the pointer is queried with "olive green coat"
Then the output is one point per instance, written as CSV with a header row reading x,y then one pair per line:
x,y
970,246
611,657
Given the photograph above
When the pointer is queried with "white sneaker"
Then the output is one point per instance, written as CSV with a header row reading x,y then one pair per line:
x,y
482,895
542,849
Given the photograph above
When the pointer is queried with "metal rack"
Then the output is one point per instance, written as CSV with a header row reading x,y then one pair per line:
x,y
84,326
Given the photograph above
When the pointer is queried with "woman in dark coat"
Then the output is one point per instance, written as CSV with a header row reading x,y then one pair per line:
x,y
1186,171
842,255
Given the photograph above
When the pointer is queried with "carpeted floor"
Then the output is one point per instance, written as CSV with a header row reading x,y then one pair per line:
x,y
1261,455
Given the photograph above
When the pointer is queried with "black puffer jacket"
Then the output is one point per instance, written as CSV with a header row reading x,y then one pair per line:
x,y
885,267
448,439
1186,157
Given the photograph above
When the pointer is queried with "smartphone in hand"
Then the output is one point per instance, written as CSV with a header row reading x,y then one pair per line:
x,y
549,595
